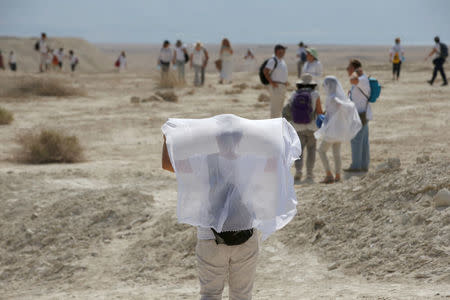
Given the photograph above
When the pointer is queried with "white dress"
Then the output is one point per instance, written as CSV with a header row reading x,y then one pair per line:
x,y
227,66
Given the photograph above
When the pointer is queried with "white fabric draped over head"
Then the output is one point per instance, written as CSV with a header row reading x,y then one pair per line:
x,y
233,173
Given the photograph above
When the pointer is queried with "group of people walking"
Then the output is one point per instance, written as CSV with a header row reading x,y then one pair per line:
x,y
345,118
53,59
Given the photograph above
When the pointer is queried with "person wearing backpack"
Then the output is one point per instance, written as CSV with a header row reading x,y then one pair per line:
x,y
301,56
360,94
180,58
440,52
276,73
301,111
396,56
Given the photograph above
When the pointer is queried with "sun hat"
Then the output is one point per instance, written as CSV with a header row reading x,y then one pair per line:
x,y
313,52
307,79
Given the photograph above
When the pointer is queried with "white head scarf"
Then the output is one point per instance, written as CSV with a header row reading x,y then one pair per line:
x,y
233,173
342,121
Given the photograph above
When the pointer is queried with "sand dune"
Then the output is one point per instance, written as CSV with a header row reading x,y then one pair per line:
x,y
106,228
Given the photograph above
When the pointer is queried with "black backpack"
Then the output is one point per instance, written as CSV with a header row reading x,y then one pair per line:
x,y
444,50
262,77
186,56
36,46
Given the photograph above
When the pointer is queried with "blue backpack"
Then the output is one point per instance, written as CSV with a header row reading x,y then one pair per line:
x,y
375,90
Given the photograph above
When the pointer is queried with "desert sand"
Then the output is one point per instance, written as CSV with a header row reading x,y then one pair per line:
x,y
106,228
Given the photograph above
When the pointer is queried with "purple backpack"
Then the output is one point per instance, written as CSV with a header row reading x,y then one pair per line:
x,y
301,107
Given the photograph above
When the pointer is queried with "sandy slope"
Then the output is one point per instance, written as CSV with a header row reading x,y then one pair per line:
x,y
106,228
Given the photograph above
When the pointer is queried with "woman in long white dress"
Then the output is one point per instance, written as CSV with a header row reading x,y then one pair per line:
x,y
226,57
250,61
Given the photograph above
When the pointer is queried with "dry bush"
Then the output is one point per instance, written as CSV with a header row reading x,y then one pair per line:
x,y
241,86
49,146
259,87
263,98
50,87
233,92
6,117
152,98
191,92
168,96
169,80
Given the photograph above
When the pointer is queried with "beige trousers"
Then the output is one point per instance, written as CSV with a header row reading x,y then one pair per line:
x,y
323,148
217,262
277,96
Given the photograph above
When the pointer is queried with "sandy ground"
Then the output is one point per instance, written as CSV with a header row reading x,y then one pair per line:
x,y
106,228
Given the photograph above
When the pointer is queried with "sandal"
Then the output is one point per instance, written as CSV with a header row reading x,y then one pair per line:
x,y
328,180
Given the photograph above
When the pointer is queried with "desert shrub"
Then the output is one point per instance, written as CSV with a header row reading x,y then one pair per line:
x,y
51,87
49,146
263,98
6,117
168,96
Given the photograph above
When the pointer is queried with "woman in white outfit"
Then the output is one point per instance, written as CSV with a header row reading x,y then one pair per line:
x,y
226,56
122,61
341,124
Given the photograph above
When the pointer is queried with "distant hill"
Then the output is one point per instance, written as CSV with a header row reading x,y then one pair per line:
x,y
91,58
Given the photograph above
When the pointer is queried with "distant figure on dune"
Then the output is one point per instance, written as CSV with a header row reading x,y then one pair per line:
x,y
341,124
180,58
199,59
301,111
276,73
12,61
60,55
301,56
42,47
360,94
73,60
312,65
121,62
55,59
440,52
2,65
250,61
226,58
49,61
396,56
164,59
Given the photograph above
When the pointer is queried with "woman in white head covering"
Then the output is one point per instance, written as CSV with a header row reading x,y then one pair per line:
x,y
341,124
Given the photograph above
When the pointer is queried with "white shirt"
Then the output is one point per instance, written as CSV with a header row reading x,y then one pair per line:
x,y
122,61
314,68
397,48
73,59
312,124
360,99
179,53
437,54
300,50
280,73
12,58
60,55
165,55
198,57
43,46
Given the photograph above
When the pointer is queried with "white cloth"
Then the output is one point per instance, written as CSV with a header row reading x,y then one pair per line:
x,y
179,53
43,46
233,173
311,126
12,59
342,122
165,55
356,95
314,68
198,57
300,50
280,73
227,65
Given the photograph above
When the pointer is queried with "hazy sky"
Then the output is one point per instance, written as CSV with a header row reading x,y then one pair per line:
x,y
252,21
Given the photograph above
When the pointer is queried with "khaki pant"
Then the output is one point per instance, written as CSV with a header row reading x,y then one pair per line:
x,y
217,262
277,96
323,148
308,141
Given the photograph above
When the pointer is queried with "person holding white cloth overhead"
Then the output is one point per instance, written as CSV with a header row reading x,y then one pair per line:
x,y
234,179
341,124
